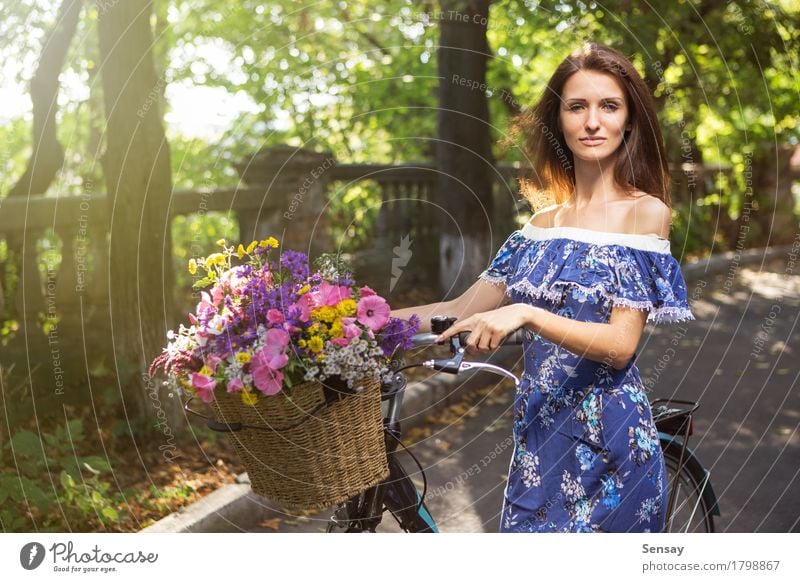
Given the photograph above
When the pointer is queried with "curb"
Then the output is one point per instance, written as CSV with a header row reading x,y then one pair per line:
x,y
235,507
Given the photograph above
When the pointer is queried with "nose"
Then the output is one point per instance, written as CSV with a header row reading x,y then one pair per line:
x,y
592,120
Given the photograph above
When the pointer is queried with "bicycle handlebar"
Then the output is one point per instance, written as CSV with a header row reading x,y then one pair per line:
x,y
456,363
429,339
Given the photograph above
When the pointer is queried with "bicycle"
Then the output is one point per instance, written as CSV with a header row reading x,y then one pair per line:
x,y
691,502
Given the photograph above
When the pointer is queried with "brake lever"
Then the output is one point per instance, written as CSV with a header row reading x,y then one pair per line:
x,y
455,365
489,368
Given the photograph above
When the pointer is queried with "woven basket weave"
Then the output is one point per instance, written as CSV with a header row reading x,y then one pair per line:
x,y
308,455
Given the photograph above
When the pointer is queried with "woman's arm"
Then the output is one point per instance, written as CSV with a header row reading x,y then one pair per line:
x,y
482,296
614,342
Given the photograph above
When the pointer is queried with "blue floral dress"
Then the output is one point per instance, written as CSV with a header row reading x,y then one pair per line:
x,y
586,454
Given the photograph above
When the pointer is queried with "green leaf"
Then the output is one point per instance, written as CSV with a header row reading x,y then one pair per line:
x,y
75,427
26,443
11,487
38,497
67,482
51,440
110,513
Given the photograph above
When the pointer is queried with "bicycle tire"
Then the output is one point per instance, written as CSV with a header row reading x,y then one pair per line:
x,y
694,506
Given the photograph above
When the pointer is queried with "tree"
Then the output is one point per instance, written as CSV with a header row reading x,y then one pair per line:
x,y
463,148
136,166
47,155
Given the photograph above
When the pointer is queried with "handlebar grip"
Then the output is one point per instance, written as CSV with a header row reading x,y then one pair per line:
x,y
429,339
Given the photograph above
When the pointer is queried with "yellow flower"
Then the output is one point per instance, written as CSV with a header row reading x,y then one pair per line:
x,y
313,328
240,251
192,266
304,289
346,307
252,246
205,371
221,242
249,398
271,243
302,343
215,259
324,313
243,357
336,329
315,344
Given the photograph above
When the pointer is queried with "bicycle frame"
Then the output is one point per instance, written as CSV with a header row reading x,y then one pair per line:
x,y
400,496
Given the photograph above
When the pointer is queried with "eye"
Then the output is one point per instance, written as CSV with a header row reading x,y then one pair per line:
x,y
611,106
575,107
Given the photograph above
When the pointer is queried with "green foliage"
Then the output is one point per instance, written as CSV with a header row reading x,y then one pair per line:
x,y
46,484
194,235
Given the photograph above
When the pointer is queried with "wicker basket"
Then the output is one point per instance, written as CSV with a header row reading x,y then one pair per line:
x,y
313,450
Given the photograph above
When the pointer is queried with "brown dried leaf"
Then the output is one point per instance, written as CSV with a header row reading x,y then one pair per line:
x,y
272,524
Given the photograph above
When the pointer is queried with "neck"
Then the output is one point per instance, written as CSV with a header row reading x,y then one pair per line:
x,y
595,184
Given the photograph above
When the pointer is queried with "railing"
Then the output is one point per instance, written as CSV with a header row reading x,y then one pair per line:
x,y
79,224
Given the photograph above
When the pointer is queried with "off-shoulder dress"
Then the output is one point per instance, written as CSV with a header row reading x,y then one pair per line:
x,y
586,454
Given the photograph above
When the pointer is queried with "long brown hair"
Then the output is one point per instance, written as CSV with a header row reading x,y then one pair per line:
x,y
641,158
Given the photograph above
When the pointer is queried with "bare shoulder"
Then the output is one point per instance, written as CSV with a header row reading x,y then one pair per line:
x,y
545,217
650,215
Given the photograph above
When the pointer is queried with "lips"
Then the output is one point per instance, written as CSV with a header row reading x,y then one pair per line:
x,y
592,141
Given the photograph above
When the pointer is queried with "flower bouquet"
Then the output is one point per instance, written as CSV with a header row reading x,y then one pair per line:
x,y
291,362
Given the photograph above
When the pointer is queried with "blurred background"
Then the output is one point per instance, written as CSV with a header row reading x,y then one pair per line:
x,y
134,134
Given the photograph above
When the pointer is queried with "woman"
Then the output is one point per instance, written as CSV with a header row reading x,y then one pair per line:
x,y
583,277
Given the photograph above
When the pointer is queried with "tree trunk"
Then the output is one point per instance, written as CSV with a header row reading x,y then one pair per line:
x,y
463,150
47,156
136,166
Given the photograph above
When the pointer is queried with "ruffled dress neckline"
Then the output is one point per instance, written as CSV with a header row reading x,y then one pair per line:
x,y
642,242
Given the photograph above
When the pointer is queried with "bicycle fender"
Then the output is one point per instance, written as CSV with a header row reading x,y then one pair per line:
x,y
695,467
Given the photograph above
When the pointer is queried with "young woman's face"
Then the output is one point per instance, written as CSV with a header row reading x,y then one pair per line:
x,y
593,115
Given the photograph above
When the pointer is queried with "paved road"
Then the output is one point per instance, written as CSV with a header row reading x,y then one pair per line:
x,y
739,359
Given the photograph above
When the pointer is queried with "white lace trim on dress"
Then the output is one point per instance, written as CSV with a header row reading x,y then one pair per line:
x,y
663,314
643,242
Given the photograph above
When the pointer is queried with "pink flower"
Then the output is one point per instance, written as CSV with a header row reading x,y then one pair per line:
x,y
212,361
274,316
351,330
235,385
204,386
340,341
331,294
367,292
268,381
233,279
267,277
205,303
216,294
268,360
273,354
373,312
305,303
201,337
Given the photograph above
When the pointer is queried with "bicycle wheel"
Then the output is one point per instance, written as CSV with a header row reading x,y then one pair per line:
x,y
693,507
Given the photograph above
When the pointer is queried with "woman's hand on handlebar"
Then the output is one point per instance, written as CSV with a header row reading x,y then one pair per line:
x,y
491,327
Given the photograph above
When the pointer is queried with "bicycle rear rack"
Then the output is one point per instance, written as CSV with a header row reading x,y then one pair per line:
x,y
671,415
